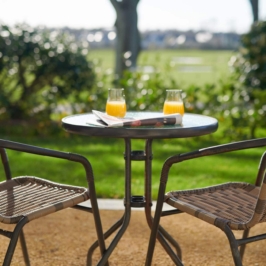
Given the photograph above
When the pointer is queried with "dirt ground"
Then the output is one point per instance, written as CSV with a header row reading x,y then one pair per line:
x,y
64,237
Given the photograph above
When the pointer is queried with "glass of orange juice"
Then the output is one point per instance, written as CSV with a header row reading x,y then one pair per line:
x,y
116,103
173,102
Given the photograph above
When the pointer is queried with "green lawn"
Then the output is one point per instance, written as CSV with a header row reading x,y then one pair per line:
x,y
107,160
106,155
187,67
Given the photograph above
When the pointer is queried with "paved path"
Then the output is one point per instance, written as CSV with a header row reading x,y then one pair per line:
x,y
117,204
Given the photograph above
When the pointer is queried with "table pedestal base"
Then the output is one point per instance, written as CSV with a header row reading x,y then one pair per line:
x,y
136,201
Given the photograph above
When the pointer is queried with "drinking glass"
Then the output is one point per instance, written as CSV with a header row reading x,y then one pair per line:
x,y
116,104
173,102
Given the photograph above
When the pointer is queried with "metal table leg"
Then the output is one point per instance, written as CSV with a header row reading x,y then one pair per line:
x,y
124,221
136,201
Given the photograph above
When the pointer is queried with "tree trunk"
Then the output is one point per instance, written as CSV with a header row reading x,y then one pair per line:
x,y
255,9
128,37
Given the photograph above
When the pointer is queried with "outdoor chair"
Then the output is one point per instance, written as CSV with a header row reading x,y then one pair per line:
x,y
25,198
229,206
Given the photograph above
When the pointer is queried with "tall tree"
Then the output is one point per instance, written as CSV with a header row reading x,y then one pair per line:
x,y
128,36
255,9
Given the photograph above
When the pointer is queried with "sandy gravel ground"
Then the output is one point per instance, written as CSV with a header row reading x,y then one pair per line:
x,y
64,237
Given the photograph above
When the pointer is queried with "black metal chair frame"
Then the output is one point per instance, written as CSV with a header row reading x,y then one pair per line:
x,y
18,232
256,216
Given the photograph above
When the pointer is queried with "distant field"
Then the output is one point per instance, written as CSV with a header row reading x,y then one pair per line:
x,y
187,67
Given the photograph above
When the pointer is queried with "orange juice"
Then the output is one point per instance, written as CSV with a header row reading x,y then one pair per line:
x,y
172,107
116,108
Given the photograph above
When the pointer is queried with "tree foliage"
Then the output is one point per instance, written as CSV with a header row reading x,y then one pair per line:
x,y
39,70
249,67
241,101
250,64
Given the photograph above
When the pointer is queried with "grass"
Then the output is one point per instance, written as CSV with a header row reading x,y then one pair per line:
x,y
187,67
106,155
107,160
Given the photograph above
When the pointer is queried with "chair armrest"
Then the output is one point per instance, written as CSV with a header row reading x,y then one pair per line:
x,y
11,145
229,147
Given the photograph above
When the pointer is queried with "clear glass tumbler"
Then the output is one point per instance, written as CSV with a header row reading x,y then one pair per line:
x,y
173,102
116,103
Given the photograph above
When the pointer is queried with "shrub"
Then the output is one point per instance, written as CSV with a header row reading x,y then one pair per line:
x,y
248,95
146,91
250,64
40,70
143,91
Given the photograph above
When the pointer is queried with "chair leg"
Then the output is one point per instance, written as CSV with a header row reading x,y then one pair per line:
x,y
24,248
106,235
169,238
242,247
156,233
13,241
234,246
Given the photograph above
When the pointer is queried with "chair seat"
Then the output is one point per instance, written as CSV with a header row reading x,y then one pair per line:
x,y
34,197
232,203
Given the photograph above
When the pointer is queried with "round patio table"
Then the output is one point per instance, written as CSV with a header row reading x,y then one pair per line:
x,y
192,125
